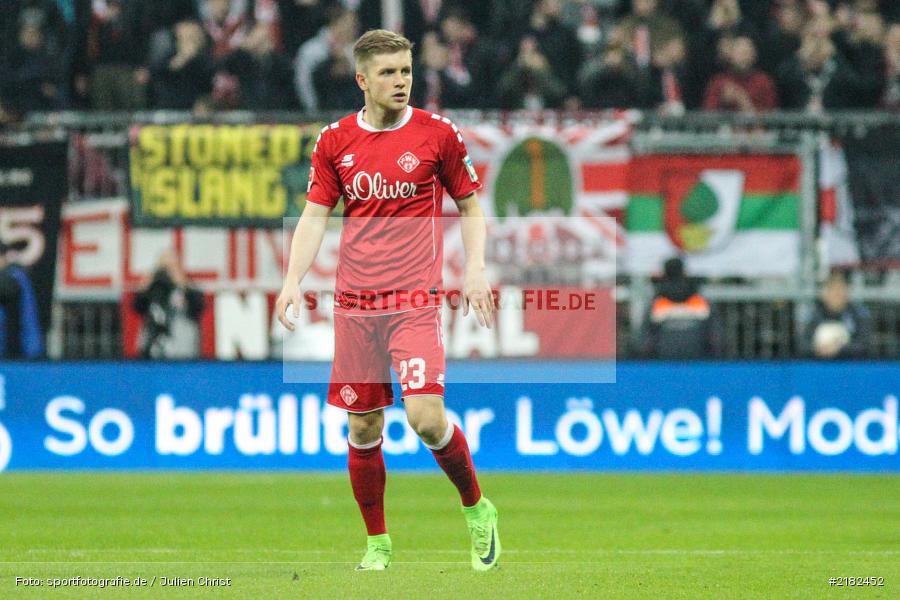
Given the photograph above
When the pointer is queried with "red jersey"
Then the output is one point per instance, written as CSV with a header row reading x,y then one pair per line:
x,y
392,181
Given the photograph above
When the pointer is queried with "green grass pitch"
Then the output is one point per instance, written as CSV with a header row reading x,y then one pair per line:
x,y
298,535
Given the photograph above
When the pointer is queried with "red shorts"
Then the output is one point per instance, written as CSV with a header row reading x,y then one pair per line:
x,y
367,347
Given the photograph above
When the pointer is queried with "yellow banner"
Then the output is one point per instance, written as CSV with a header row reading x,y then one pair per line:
x,y
237,175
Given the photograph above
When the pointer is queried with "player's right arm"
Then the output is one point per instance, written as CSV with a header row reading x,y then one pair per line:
x,y
322,195
304,246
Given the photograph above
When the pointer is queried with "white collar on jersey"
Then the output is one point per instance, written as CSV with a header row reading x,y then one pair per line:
x,y
403,121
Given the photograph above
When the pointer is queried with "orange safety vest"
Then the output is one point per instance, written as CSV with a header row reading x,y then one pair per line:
x,y
695,307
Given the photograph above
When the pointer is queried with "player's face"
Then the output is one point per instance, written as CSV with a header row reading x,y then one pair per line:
x,y
387,78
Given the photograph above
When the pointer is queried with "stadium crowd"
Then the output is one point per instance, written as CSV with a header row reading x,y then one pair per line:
x,y
667,55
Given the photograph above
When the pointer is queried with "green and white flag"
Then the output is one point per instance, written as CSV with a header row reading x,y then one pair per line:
x,y
727,216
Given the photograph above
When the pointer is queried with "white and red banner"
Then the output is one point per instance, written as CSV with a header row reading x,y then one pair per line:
x,y
240,271
102,256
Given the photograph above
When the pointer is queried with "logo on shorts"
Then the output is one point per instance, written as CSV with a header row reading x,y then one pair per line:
x,y
348,395
408,162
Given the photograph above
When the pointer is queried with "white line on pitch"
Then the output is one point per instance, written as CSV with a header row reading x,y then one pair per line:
x,y
648,551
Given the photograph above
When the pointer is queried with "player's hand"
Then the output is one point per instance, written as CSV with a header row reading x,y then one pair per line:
x,y
289,296
477,292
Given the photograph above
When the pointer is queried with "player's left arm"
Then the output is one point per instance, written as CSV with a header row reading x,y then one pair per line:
x,y
476,289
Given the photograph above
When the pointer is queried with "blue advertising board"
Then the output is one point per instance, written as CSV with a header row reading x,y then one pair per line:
x,y
657,416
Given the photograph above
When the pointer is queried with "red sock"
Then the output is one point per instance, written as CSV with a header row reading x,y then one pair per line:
x,y
367,477
456,461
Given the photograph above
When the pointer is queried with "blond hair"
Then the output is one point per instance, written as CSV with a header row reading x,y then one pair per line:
x,y
378,41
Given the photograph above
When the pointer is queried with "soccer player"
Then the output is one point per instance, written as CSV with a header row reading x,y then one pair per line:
x,y
392,164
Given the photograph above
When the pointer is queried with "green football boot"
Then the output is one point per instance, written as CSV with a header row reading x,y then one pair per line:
x,y
482,522
378,553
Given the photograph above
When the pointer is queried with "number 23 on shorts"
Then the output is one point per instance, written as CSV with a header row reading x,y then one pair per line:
x,y
412,374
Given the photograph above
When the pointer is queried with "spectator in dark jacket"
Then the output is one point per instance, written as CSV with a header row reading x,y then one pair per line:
x,y
29,79
20,329
645,26
530,83
679,324
662,87
334,80
118,77
337,37
610,81
265,79
185,74
818,77
45,14
473,64
301,20
861,40
781,37
436,85
149,23
558,42
838,328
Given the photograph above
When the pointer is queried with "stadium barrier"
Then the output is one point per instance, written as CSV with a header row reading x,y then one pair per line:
x,y
701,416
761,316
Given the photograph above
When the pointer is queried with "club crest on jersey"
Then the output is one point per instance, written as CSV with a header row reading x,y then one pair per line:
x,y
408,162
470,168
348,395
347,161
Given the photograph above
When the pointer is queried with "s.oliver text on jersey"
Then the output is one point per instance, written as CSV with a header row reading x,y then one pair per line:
x,y
365,187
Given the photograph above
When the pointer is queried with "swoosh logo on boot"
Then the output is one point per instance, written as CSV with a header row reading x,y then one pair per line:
x,y
490,557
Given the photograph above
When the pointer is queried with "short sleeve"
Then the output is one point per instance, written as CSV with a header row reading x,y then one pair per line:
x,y
323,187
457,174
